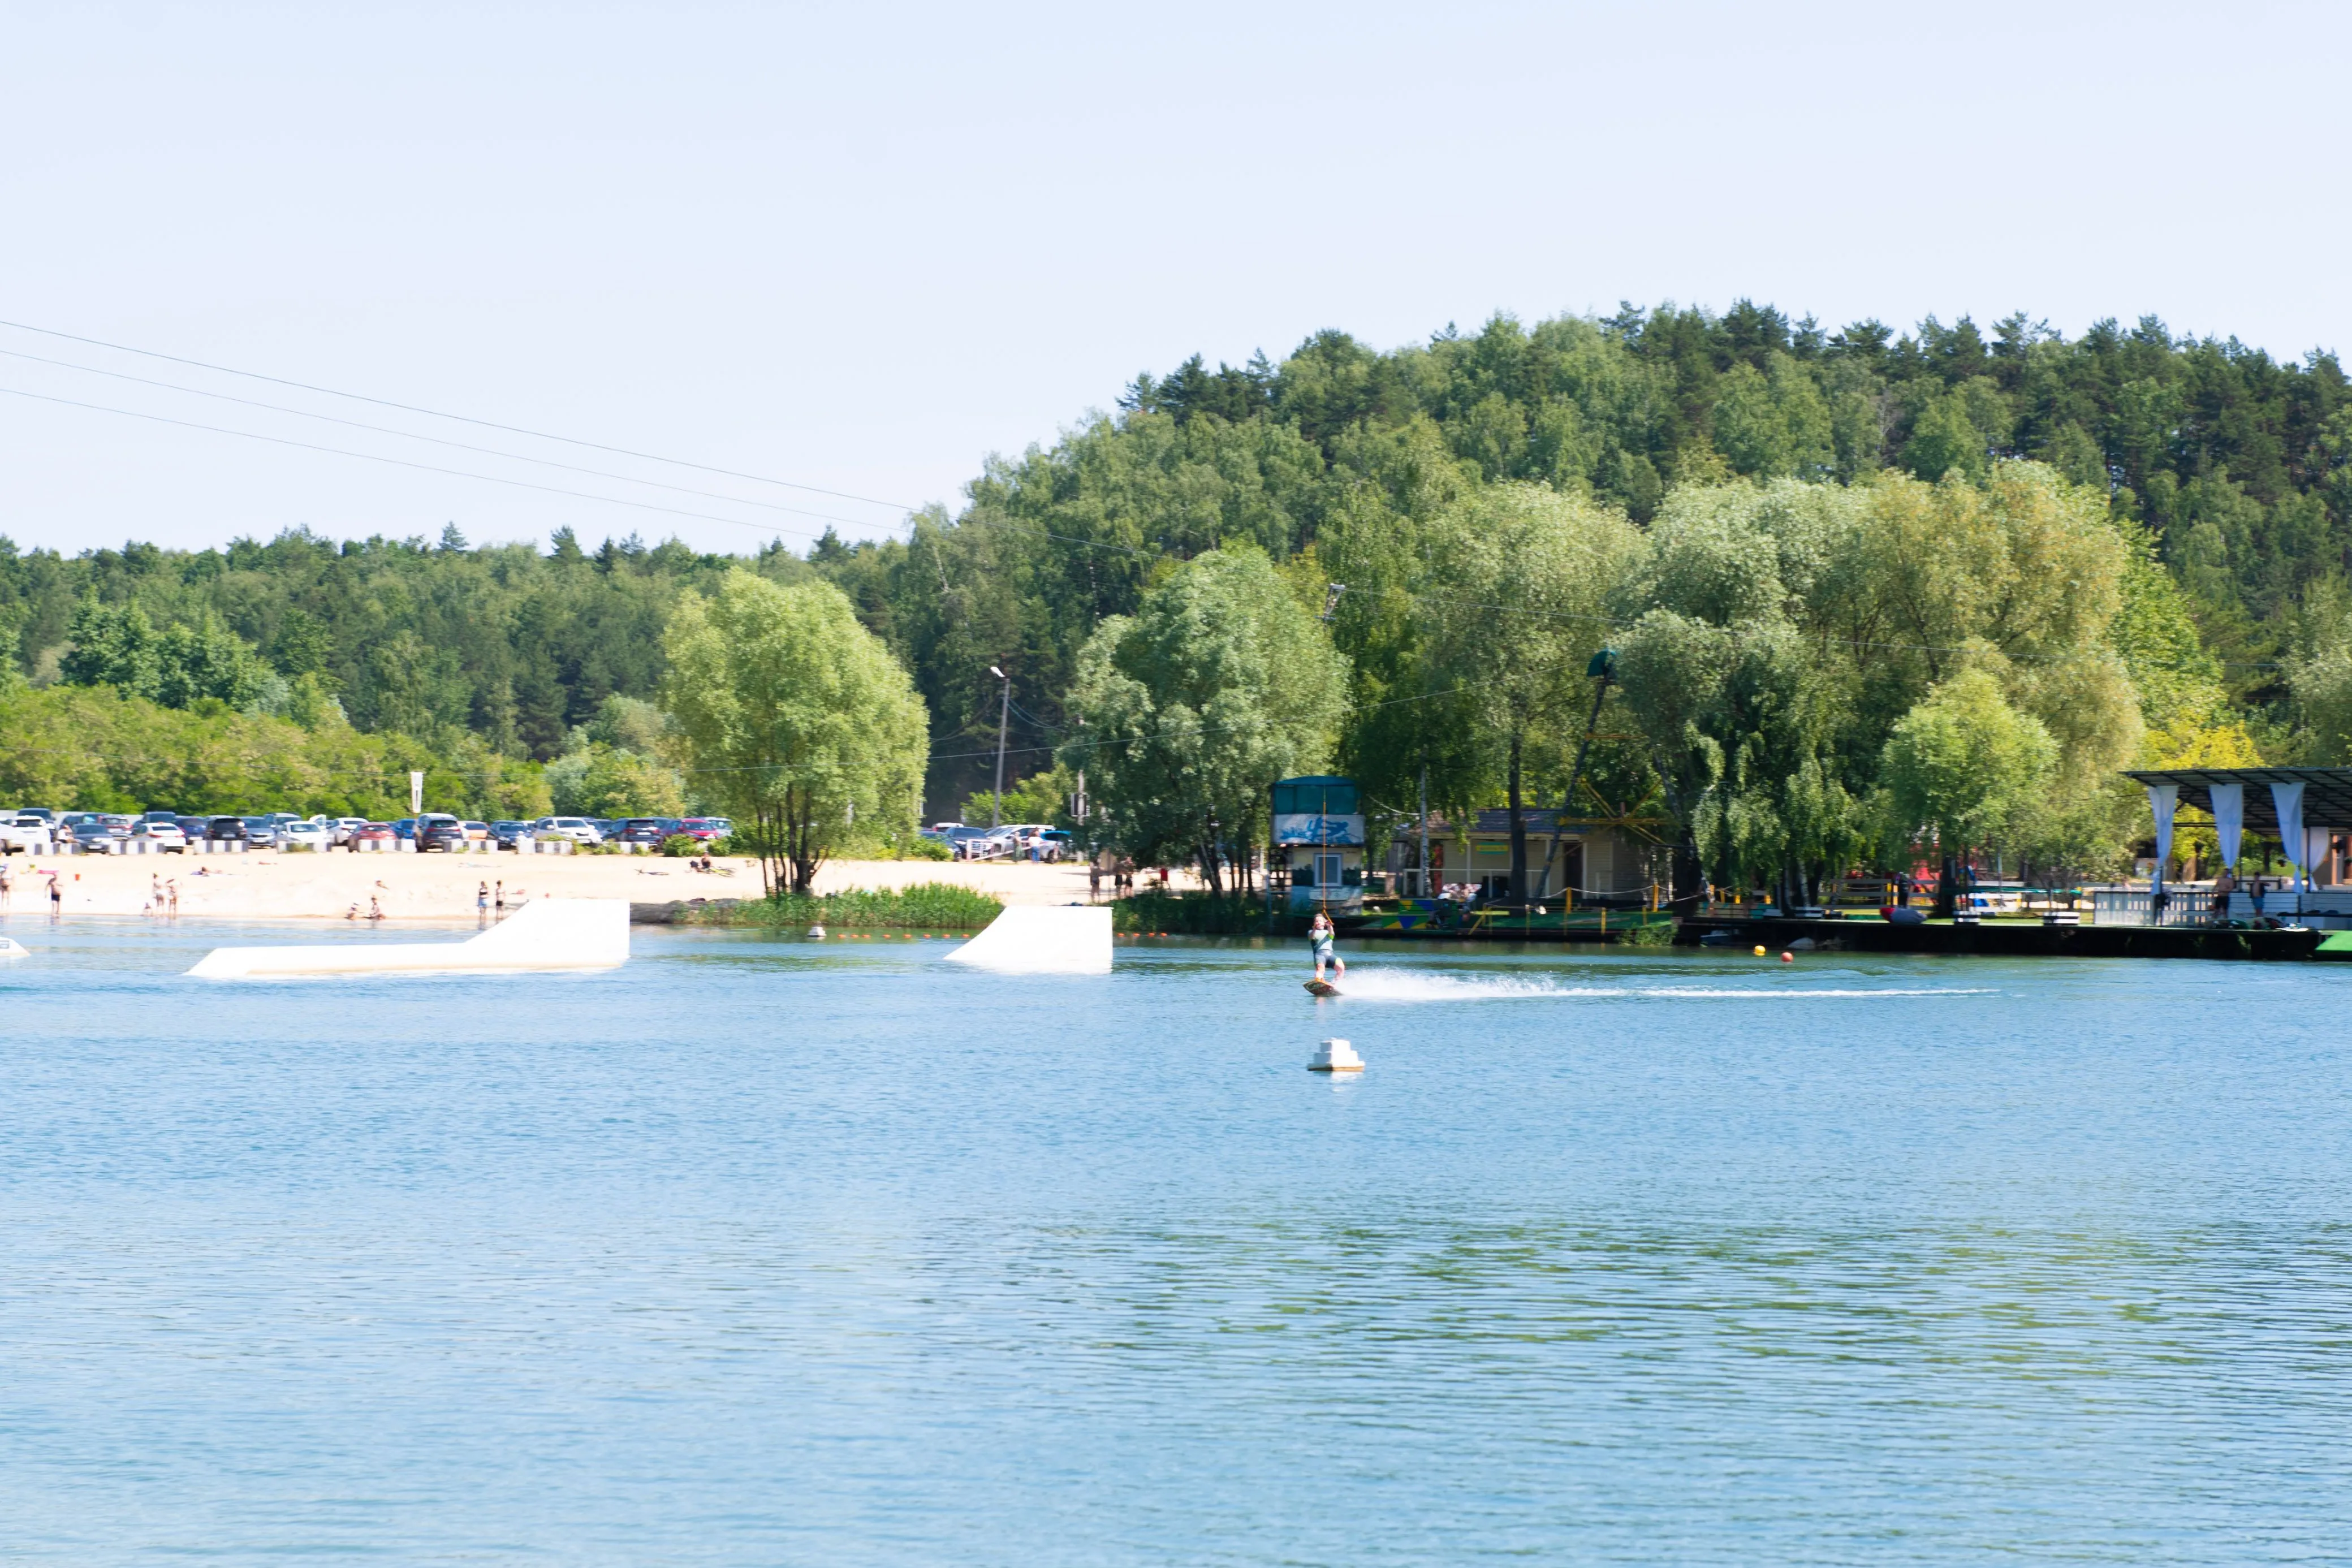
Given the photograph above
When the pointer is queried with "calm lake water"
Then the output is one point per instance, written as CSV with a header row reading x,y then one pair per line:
x,y
761,1252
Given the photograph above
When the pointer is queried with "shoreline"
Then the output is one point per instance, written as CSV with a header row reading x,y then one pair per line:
x,y
439,890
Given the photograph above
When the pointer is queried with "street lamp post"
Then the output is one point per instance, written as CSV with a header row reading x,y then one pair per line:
x,y
1003,712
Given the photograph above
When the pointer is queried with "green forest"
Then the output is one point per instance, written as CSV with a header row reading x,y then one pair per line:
x,y
1859,583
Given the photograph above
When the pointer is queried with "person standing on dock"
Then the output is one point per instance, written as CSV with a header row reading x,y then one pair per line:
x,y
2224,884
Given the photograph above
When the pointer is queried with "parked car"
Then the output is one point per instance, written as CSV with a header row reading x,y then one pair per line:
x,y
478,832
163,836
305,836
25,830
707,828
1057,844
261,832
192,826
435,832
94,835
49,814
372,834
513,835
648,829
225,830
172,816
580,830
344,827
977,844
610,827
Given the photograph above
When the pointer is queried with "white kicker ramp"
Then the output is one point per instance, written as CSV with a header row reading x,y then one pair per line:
x,y
1042,939
545,934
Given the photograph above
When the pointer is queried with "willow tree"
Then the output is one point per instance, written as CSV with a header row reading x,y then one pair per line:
x,y
795,716
1966,767
1520,583
1220,684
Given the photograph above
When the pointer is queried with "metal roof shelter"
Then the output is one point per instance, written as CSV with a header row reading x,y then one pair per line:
x,y
2326,793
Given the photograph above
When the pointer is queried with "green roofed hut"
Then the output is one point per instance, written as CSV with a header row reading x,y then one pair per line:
x,y
2307,810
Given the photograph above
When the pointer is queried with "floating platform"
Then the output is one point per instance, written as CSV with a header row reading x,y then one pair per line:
x,y
2007,938
544,934
1042,939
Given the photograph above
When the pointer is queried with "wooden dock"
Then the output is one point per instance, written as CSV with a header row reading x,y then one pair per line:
x,y
2006,938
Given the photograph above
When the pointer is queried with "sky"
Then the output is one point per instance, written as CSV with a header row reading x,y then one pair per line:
x,y
861,249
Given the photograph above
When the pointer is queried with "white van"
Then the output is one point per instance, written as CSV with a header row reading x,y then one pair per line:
x,y
580,830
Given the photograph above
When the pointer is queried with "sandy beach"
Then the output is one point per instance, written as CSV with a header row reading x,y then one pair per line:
x,y
441,888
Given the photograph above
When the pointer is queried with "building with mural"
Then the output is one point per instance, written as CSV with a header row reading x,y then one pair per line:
x,y
1318,842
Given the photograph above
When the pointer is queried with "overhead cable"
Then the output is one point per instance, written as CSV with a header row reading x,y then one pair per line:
x,y
432,440
425,467
458,418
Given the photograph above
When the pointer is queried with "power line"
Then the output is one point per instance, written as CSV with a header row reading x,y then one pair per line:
x,y
434,440
459,418
425,467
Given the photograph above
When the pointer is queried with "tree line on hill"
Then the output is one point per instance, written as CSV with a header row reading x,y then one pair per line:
x,y
1843,573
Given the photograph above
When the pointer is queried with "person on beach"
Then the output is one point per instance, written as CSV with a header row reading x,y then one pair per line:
x,y
375,908
1094,878
171,896
7,884
499,898
353,913
57,896
482,899
1321,932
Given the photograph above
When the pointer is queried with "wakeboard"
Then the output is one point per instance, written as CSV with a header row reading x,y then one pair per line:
x,y
1322,989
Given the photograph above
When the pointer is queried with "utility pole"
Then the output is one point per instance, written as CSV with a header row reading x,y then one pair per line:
x,y
1424,829
1004,713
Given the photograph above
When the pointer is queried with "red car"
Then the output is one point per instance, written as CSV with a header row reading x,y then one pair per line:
x,y
707,828
374,834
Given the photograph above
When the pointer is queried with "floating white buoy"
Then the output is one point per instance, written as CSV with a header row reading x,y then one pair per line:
x,y
1335,1056
816,932
12,949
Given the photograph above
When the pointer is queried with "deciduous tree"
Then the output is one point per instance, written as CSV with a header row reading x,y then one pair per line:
x,y
795,715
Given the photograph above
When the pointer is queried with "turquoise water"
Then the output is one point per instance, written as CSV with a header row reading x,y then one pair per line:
x,y
761,1252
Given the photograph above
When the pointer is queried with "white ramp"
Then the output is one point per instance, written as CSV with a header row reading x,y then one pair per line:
x,y
545,934
1042,939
